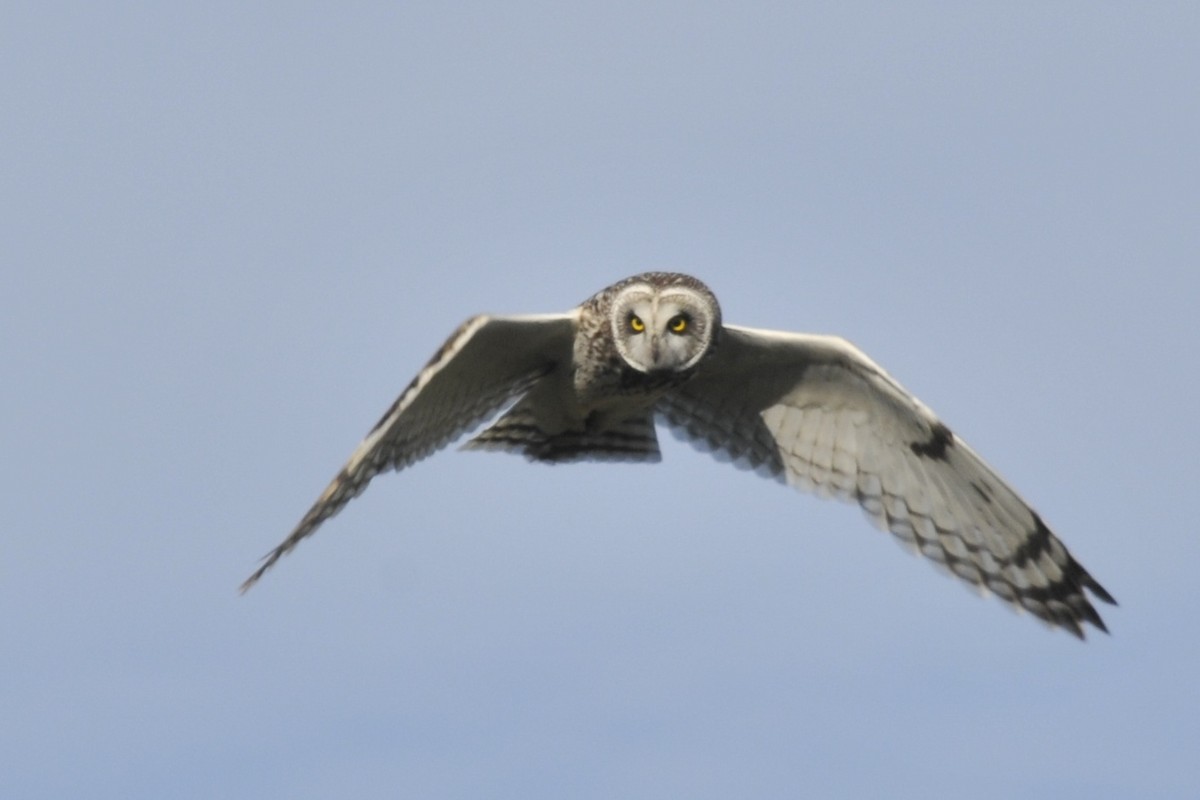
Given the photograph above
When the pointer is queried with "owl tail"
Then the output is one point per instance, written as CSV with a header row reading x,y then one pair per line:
x,y
520,431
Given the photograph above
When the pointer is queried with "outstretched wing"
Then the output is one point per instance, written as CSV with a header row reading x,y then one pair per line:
x,y
484,364
818,413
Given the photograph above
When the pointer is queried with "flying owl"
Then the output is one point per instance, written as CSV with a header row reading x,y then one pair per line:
x,y
811,411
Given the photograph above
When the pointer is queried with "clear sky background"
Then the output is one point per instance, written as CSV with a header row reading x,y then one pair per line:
x,y
231,233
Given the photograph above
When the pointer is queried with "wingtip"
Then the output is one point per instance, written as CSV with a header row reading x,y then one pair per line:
x,y
268,561
253,579
1099,591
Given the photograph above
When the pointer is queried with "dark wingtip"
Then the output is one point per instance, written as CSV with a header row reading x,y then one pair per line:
x,y
1089,615
267,562
1099,591
253,579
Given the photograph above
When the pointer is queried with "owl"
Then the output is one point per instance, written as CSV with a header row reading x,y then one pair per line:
x,y
810,411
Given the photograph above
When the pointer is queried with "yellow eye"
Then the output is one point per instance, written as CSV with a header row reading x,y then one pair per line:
x,y
636,324
678,325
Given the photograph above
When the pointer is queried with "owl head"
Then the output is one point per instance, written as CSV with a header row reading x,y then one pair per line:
x,y
664,321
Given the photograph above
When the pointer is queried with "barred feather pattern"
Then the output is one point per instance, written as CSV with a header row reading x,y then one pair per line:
x,y
631,439
834,424
483,365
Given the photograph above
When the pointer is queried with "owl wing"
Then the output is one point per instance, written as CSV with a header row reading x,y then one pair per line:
x,y
484,364
817,413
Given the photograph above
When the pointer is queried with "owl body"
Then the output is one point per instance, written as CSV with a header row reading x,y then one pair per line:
x,y
811,411
601,404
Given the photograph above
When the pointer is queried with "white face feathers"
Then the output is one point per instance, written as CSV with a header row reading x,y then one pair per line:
x,y
662,328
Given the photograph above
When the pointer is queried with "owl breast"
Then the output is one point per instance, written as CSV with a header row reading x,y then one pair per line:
x,y
617,384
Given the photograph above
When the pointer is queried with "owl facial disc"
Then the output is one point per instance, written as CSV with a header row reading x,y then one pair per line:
x,y
666,328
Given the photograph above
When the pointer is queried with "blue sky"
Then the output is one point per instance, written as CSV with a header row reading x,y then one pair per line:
x,y
231,234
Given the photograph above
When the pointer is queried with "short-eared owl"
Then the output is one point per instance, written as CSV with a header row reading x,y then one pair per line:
x,y
812,411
